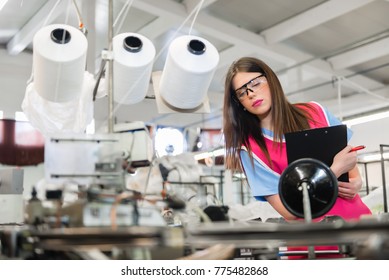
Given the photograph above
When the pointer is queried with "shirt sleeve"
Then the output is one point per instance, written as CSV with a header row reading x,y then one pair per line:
x,y
262,180
332,120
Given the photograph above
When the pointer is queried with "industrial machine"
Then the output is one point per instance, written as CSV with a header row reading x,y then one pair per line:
x,y
106,220
110,221
308,189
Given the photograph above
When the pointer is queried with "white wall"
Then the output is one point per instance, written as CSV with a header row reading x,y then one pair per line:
x,y
372,135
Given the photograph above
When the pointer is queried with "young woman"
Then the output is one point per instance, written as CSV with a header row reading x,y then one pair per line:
x,y
256,115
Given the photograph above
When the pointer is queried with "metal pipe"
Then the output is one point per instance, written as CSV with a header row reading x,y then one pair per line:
x,y
307,214
383,177
110,68
366,178
340,97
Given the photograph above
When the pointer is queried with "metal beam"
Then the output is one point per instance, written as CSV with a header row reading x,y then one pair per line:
x,y
311,18
25,36
191,4
361,54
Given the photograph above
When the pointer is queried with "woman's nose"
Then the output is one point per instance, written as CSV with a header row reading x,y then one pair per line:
x,y
248,91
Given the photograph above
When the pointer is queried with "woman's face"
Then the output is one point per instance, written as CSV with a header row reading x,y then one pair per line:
x,y
252,91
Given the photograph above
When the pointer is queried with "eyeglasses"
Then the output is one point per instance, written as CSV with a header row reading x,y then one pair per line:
x,y
252,85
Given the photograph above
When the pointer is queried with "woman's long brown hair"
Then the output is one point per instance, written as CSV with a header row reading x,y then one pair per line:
x,y
239,124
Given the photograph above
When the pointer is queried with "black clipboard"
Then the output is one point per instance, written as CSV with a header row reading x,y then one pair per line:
x,y
318,143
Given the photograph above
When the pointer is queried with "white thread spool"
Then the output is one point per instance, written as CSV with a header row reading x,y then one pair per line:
x,y
188,71
59,58
133,62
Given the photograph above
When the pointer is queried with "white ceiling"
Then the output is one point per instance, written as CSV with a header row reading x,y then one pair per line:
x,y
311,44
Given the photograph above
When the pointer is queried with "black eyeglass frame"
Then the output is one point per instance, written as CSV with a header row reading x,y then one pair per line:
x,y
245,86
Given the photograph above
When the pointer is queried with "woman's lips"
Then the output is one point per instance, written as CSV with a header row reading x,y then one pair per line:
x,y
257,102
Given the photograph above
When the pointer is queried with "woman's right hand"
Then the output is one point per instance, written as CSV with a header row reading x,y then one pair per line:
x,y
344,161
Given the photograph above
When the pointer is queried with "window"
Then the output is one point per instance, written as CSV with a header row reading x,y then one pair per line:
x,y
169,141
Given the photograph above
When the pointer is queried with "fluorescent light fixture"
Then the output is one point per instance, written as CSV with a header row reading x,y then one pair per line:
x,y
2,3
368,118
240,175
215,153
20,116
373,157
91,128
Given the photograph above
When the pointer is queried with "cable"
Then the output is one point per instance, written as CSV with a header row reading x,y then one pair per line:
x,y
162,51
124,10
80,21
197,8
99,77
44,24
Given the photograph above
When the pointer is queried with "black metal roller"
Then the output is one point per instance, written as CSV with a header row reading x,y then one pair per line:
x,y
321,184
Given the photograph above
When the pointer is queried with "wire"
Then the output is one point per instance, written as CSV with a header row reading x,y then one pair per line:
x,y
124,10
44,24
99,76
162,51
50,13
80,21
149,175
197,8
199,212
113,212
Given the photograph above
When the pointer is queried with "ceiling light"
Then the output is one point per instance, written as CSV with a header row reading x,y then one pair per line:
x,y
368,118
215,153
2,3
373,157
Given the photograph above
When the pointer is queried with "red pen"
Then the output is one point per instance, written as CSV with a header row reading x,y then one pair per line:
x,y
357,148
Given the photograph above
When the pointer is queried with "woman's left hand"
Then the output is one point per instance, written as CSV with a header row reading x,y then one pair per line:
x,y
350,189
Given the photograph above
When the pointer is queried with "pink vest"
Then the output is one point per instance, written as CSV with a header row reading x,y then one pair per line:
x,y
348,209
